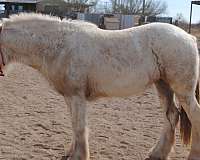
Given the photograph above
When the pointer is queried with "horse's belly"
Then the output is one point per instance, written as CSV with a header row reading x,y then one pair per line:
x,y
124,74
125,85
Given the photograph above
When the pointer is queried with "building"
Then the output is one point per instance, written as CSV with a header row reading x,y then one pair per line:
x,y
60,8
15,6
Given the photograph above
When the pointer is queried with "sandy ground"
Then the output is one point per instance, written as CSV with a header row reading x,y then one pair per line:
x,y
35,123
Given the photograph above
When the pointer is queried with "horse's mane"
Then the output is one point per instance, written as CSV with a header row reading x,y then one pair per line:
x,y
31,16
24,17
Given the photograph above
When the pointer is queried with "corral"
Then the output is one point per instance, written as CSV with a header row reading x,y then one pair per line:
x,y
40,127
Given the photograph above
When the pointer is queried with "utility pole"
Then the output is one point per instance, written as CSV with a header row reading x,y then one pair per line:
x,y
143,8
106,6
190,18
142,17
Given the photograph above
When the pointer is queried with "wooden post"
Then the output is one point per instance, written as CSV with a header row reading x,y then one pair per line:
x,y
7,9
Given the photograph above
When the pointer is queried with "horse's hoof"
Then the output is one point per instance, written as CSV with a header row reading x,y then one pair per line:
x,y
154,158
150,158
65,158
194,158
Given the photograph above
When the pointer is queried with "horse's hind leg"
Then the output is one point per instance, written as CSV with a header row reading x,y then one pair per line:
x,y
171,117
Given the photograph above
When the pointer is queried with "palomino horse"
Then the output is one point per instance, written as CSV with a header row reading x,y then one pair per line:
x,y
83,63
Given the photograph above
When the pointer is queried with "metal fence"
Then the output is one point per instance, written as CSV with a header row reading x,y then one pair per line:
x,y
124,21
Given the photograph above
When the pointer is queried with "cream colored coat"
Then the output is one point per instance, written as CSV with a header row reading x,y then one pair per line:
x,y
83,62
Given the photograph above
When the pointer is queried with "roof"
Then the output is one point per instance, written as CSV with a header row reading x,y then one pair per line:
x,y
19,1
67,2
196,2
36,1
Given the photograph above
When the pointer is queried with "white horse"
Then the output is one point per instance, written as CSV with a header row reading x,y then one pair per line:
x,y
83,62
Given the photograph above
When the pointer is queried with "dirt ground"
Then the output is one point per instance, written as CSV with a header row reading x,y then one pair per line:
x,y
35,122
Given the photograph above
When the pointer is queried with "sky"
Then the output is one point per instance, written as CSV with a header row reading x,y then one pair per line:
x,y
183,6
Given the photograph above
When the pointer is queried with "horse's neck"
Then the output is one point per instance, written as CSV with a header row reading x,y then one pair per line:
x,y
43,46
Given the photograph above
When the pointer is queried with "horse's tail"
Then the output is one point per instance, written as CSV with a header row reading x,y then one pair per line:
x,y
185,127
199,61
185,124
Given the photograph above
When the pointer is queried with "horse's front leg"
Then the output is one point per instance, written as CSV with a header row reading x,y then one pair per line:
x,y
79,148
